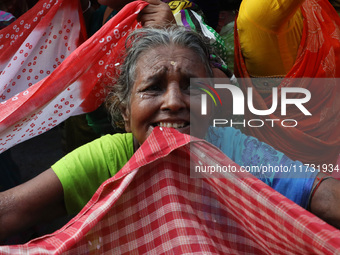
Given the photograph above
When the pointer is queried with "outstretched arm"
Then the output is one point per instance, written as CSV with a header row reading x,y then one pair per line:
x,y
325,202
156,14
38,200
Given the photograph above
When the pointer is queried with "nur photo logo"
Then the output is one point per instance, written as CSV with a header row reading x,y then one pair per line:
x,y
204,97
285,97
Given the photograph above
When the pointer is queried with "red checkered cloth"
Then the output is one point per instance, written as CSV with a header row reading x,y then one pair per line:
x,y
154,206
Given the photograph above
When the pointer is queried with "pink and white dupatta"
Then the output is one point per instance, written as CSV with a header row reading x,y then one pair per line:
x,y
48,73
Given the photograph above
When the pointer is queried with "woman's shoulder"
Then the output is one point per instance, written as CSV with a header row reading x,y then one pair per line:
x,y
106,148
116,143
116,138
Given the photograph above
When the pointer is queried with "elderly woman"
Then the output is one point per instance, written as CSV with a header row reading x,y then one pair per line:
x,y
80,129
153,90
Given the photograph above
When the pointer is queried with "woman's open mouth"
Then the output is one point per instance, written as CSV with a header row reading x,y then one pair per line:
x,y
172,124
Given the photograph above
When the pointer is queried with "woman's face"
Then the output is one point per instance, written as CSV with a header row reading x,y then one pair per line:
x,y
162,96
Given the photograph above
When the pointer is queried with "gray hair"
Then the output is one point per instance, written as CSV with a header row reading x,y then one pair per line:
x,y
139,42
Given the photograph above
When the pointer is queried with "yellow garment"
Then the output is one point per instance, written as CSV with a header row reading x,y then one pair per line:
x,y
177,6
270,33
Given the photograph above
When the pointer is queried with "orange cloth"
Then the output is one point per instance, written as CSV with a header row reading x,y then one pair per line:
x,y
316,138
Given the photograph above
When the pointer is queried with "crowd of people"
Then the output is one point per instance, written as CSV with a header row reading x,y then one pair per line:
x,y
276,44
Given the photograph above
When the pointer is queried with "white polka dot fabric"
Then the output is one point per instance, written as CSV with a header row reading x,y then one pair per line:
x,y
48,74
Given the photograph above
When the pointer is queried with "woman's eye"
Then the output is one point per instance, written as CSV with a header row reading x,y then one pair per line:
x,y
151,91
155,87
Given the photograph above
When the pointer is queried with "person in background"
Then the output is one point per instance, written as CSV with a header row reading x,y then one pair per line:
x,y
14,7
6,19
229,9
280,41
336,5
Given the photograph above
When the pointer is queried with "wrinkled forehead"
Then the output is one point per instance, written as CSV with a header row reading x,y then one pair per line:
x,y
175,58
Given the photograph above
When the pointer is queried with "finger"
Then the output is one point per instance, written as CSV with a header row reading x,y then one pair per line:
x,y
161,8
145,18
153,1
154,21
148,10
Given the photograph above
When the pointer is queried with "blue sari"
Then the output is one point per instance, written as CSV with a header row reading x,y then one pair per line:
x,y
291,178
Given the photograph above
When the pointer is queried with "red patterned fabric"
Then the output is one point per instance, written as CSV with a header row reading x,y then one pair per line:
x,y
154,206
45,77
316,138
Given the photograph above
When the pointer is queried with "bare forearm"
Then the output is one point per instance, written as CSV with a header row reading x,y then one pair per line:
x,y
325,202
38,200
6,207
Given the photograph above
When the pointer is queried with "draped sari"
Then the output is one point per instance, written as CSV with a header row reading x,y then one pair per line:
x,y
316,138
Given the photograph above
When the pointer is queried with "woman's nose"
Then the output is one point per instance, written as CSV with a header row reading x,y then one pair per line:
x,y
174,99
